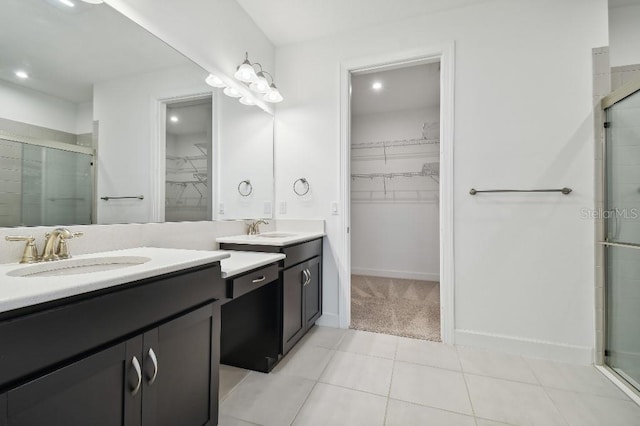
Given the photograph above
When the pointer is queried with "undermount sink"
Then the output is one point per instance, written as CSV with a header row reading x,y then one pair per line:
x,y
276,235
77,266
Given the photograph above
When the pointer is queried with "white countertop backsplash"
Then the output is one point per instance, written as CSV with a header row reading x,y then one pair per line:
x,y
186,235
18,292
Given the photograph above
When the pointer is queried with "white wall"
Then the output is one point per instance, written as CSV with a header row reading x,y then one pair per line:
x,y
33,107
214,34
398,239
245,152
124,109
524,277
624,35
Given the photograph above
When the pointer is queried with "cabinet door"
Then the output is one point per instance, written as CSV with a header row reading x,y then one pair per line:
x,y
293,321
3,410
100,390
313,292
180,373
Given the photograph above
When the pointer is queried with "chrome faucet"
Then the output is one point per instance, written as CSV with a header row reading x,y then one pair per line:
x,y
254,227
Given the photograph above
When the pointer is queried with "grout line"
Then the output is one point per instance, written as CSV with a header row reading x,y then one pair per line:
x,y
234,386
393,368
555,406
466,386
314,386
436,408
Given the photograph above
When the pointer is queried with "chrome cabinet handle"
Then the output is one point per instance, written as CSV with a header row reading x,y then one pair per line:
x,y
306,277
154,360
136,366
309,276
259,280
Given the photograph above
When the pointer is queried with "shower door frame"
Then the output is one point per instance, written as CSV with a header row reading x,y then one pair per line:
x,y
62,146
602,244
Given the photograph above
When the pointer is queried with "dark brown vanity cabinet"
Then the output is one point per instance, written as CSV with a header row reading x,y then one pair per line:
x,y
301,287
161,369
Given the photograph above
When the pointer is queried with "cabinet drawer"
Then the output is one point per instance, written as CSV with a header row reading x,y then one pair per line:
x,y
301,252
251,281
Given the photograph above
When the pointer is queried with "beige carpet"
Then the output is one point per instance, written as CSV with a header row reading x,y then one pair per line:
x,y
406,308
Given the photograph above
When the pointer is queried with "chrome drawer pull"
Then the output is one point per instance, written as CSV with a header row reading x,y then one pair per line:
x,y
259,280
136,366
307,277
154,360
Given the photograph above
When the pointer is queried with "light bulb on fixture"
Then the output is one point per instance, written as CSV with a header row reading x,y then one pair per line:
x,y
245,71
247,101
215,81
232,92
273,95
260,84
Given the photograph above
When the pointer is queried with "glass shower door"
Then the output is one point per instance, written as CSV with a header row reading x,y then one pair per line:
x,y
622,278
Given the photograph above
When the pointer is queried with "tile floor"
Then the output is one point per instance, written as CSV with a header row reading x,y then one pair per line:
x,y
349,377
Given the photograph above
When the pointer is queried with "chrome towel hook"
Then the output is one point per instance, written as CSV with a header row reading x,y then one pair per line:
x,y
305,184
248,188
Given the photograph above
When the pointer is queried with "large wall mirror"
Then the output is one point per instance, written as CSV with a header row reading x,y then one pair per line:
x,y
101,122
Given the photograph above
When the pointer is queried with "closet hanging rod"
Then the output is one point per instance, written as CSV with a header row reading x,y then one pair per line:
x,y
565,191
137,197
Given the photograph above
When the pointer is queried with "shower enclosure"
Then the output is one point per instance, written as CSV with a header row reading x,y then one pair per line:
x,y
621,216
45,183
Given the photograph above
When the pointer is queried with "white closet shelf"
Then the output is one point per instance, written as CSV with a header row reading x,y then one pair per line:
x,y
394,143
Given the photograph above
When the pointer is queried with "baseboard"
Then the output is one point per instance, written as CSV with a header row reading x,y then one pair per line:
x,y
389,273
531,348
329,320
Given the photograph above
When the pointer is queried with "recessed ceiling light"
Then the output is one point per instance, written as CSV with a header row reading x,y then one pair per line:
x,y
376,85
22,74
174,119
67,3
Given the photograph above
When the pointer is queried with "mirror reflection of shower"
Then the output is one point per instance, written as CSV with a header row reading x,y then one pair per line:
x,y
188,160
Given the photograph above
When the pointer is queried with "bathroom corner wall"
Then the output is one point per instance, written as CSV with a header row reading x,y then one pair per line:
x,y
524,268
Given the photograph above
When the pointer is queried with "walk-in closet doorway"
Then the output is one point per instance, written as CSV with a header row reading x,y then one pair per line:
x,y
397,113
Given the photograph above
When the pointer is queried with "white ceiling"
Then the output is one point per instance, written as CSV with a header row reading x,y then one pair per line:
x,y
406,88
293,21
65,50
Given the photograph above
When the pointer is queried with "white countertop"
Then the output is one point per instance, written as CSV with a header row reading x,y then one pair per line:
x,y
243,261
261,240
18,292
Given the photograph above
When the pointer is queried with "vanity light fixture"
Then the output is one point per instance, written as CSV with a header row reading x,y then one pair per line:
x,y
22,74
232,92
247,101
257,81
215,81
245,71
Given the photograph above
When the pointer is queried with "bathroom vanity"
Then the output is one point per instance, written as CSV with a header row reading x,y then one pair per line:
x,y
300,274
135,346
